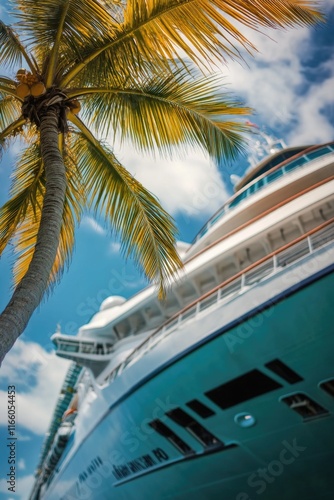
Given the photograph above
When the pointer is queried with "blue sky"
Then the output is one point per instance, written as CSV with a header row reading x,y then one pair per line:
x,y
290,83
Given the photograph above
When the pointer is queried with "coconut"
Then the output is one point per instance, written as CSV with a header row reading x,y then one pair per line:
x,y
20,73
22,90
29,79
38,89
75,106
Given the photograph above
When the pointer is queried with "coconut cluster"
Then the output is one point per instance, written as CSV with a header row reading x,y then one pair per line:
x,y
29,84
37,99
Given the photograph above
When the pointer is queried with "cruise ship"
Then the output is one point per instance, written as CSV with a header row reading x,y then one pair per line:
x,y
224,390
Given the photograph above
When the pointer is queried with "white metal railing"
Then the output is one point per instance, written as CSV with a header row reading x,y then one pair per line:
x,y
78,347
267,266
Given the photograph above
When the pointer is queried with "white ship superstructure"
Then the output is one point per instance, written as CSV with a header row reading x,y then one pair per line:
x,y
182,397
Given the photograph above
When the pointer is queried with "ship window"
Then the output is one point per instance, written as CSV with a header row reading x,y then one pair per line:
x,y
171,304
274,175
230,289
201,409
259,272
152,311
87,348
259,184
322,237
122,328
186,292
285,155
304,406
283,235
309,220
189,313
217,216
69,347
328,386
243,388
294,164
282,370
238,199
251,189
209,301
137,322
326,211
318,152
295,252
166,432
193,427
206,282
226,270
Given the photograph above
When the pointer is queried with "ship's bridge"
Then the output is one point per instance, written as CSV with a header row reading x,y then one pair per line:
x,y
111,333
274,180
279,156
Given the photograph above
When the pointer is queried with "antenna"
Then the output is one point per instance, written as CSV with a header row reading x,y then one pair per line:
x,y
262,144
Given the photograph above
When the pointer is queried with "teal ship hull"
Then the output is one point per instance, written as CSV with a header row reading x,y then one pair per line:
x,y
260,389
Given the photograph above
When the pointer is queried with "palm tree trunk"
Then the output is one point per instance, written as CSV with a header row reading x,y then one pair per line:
x,y
29,292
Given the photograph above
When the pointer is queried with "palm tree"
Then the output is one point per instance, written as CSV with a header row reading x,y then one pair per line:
x,y
128,65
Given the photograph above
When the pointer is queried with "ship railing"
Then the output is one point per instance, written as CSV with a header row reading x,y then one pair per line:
x,y
281,170
83,348
269,265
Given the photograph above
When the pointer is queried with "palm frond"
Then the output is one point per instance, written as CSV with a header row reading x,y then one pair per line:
x,y
146,230
54,54
14,129
64,26
12,51
202,28
27,184
168,111
10,110
158,30
7,84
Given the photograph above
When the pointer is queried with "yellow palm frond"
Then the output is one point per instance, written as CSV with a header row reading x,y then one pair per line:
x,y
203,28
7,86
12,51
10,110
16,129
27,185
155,31
168,111
146,230
64,27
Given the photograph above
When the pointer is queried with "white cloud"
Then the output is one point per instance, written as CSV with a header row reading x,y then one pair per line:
x,y
94,226
23,486
275,84
21,464
114,247
22,437
37,376
313,125
190,185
